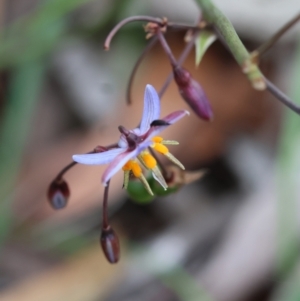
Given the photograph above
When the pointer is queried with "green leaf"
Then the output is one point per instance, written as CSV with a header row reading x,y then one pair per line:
x,y
203,41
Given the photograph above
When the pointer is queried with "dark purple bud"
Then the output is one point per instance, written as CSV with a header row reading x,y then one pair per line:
x,y
192,93
110,244
159,122
58,194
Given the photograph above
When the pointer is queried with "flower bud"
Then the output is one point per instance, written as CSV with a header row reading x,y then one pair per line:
x,y
192,93
58,194
138,193
110,244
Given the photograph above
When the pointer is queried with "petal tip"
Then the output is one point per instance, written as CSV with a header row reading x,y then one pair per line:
x,y
75,158
148,86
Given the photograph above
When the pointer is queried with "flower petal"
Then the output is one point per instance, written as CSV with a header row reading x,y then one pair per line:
x,y
99,158
119,161
175,116
151,108
170,119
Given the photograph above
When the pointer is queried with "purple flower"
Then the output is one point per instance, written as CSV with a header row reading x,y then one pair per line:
x,y
131,153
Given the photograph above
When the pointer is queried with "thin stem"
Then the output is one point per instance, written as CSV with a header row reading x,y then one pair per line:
x,y
268,44
126,21
137,64
180,61
64,170
179,26
166,48
282,97
105,223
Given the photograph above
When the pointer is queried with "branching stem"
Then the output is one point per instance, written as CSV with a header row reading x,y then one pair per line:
x,y
224,28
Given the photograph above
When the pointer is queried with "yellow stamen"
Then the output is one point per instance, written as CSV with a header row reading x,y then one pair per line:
x,y
133,166
126,178
136,169
174,160
169,142
157,139
148,160
146,184
127,166
160,148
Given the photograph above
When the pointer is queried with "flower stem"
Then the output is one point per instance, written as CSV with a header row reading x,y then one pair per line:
x,y
282,97
181,59
129,20
166,48
105,223
64,170
226,31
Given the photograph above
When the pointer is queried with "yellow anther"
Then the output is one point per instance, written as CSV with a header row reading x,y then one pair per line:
x,y
160,148
128,165
133,166
148,160
157,139
136,169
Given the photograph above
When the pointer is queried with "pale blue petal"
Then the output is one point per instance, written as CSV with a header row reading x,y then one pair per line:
x,y
121,160
151,108
171,119
99,158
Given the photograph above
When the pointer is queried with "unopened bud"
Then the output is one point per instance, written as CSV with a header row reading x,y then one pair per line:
x,y
58,194
110,244
192,93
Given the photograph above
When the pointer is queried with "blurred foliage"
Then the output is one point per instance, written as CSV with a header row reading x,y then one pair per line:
x,y
184,285
288,183
25,47
26,80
